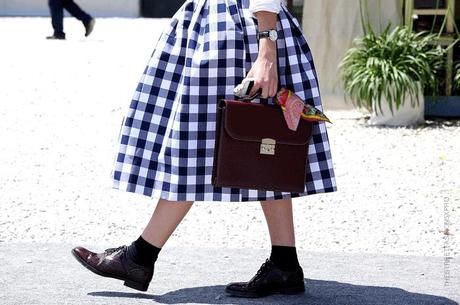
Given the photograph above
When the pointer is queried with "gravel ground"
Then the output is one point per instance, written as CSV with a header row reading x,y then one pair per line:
x,y
61,108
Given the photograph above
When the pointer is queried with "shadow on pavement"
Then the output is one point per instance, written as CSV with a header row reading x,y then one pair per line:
x,y
318,293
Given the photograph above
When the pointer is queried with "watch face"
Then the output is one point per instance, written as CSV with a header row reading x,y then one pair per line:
x,y
273,35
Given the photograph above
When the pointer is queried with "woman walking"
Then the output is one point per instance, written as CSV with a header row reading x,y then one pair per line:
x,y
167,137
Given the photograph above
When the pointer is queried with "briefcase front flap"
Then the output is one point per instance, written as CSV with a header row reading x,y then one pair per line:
x,y
249,121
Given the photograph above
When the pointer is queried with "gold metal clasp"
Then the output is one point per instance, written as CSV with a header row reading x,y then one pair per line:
x,y
267,147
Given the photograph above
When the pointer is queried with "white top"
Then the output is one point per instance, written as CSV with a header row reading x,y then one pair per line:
x,y
273,6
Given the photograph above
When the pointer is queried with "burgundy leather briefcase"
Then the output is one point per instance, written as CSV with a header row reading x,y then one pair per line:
x,y
255,149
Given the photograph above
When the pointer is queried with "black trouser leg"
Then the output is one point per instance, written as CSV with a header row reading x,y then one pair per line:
x,y
57,15
76,11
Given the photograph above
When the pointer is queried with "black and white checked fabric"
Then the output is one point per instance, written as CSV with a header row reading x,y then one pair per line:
x,y
167,137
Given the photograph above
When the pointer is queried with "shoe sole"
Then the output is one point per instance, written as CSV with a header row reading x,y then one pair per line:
x,y
127,283
286,291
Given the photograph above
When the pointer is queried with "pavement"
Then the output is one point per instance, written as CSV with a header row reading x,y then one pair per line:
x,y
37,273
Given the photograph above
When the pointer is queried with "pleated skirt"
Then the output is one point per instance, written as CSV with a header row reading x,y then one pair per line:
x,y
167,137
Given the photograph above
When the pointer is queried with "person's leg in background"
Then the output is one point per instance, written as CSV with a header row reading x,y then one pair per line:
x,y
134,264
77,12
281,273
57,17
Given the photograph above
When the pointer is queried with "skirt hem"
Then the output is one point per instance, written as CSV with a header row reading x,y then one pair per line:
x,y
232,197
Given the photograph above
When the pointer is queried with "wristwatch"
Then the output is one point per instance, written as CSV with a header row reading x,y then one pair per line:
x,y
272,34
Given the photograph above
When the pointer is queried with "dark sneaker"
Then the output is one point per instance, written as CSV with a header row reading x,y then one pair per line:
x,y
115,263
56,36
269,280
89,27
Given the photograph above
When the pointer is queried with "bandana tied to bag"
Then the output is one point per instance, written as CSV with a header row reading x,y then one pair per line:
x,y
295,108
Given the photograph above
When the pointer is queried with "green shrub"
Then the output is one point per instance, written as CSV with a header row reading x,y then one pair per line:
x,y
391,65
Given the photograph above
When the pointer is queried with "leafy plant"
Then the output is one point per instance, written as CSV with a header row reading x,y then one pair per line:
x,y
392,65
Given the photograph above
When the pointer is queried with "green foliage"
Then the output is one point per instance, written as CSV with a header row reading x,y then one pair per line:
x,y
391,65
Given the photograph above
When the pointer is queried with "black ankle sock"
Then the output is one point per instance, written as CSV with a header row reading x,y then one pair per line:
x,y
143,253
285,257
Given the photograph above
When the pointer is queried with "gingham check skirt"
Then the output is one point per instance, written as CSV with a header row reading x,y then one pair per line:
x,y
167,137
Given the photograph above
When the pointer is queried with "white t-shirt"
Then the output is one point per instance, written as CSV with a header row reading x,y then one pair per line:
x,y
273,6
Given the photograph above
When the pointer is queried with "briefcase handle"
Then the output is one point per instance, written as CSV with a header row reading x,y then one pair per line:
x,y
249,98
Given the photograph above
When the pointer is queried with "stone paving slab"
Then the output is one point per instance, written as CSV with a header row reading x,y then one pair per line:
x,y
34,273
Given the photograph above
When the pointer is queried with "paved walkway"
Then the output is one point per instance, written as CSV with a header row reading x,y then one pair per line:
x,y
47,274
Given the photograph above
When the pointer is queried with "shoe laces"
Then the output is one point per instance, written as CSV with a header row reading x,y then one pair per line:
x,y
262,270
110,251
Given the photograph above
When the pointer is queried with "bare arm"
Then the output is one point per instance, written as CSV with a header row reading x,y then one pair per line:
x,y
266,20
264,69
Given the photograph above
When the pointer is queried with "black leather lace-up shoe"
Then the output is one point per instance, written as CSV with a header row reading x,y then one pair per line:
x,y
56,37
89,27
269,279
115,263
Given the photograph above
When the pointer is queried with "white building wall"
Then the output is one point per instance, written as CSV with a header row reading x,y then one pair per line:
x,y
330,27
96,8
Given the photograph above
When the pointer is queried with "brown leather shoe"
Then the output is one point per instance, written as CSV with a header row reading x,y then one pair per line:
x,y
115,263
269,280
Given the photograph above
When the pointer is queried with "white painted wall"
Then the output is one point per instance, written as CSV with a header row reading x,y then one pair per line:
x,y
330,26
96,8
